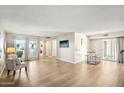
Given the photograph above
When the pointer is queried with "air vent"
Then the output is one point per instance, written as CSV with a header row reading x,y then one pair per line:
x,y
48,37
106,34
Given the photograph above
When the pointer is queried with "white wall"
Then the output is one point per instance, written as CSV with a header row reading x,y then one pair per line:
x,y
66,54
78,45
81,47
54,47
97,46
2,48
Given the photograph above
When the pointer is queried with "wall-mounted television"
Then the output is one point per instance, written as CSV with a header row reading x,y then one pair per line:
x,y
64,43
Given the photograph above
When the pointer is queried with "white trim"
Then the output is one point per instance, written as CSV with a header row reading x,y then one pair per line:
x,y
65,60
79,61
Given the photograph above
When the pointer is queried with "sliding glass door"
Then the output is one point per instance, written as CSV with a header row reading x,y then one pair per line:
x,y
32,49
20,48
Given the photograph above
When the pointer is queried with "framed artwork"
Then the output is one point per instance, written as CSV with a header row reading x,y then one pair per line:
x,y
64,44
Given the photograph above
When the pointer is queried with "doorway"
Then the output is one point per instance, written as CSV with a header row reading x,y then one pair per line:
x,y
51,48
32,49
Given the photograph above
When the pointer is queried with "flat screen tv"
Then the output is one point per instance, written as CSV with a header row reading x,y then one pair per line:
x,y
64,44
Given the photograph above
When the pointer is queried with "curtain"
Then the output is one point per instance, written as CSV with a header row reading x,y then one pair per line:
x,y
120,48
110,49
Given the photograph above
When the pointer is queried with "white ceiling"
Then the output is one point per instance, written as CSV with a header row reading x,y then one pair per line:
x,y
55,20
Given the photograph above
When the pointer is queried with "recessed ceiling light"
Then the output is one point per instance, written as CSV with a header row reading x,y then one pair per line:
x,y
102,32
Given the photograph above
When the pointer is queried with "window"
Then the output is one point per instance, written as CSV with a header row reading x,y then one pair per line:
x,y
110,49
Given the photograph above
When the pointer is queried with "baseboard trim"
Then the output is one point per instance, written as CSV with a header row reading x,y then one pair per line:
x,y
65,60
80,61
